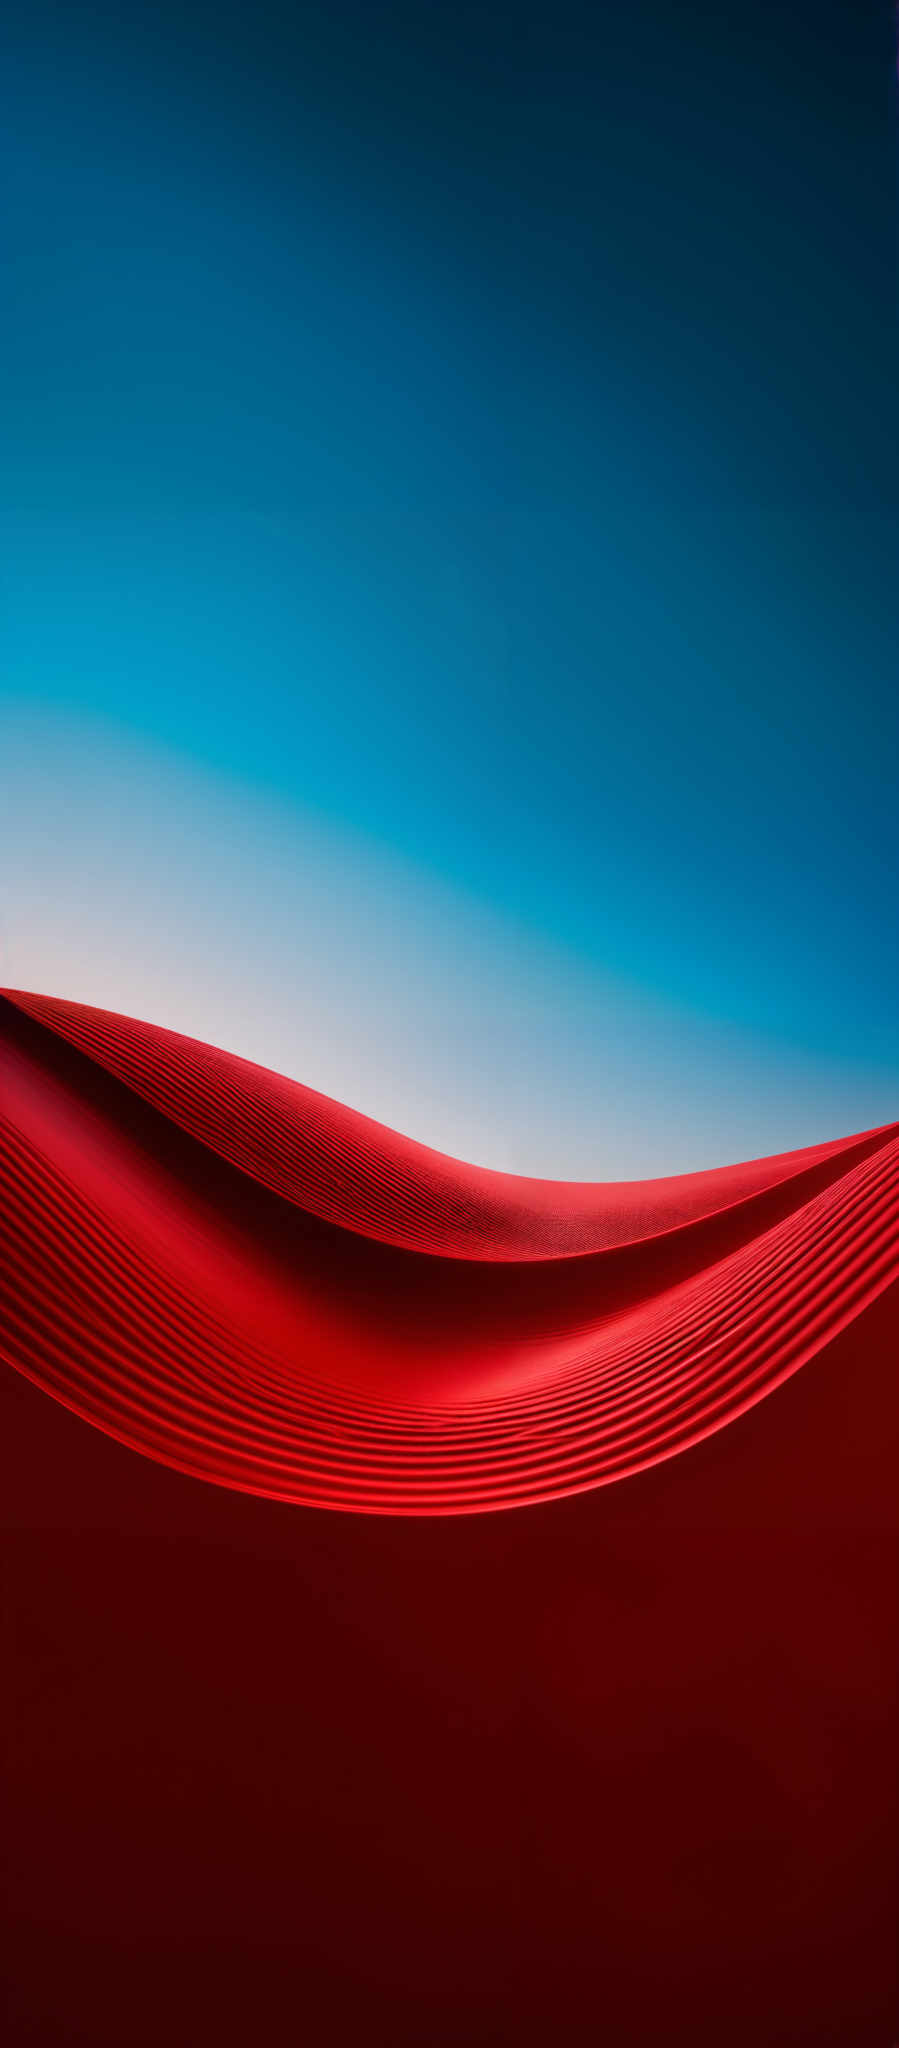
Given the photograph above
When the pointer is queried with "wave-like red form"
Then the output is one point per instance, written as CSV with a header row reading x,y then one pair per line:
x,y
253,1284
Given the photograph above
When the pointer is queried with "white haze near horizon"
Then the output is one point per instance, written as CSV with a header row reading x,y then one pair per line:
x,y
142,884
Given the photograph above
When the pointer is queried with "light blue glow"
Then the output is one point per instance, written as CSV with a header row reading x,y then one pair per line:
x,y
488,472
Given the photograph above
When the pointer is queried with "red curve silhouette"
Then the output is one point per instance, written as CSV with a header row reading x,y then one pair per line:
x,y
255,1285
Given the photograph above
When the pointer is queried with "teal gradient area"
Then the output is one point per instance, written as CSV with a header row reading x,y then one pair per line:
x,y
449,547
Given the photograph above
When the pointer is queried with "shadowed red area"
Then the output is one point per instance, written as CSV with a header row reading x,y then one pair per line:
x,y
619,1769
265,1289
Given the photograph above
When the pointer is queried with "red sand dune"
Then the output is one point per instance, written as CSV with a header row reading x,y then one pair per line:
x,y
260,1287
619,1767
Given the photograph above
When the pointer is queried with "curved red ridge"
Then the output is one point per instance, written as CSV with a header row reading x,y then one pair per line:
x,y
256,1285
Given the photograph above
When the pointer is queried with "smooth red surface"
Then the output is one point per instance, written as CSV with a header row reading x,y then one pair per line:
x,y
261,1288
620,1767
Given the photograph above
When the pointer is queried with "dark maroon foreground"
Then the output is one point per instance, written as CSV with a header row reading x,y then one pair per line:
x,y
622,1769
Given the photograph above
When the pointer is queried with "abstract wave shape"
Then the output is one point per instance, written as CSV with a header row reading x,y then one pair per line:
x,y
255,1285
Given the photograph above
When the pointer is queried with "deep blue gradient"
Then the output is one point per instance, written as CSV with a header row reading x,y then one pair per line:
x,y
476,428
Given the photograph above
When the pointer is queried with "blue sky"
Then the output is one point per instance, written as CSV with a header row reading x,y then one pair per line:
x,y
449,542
